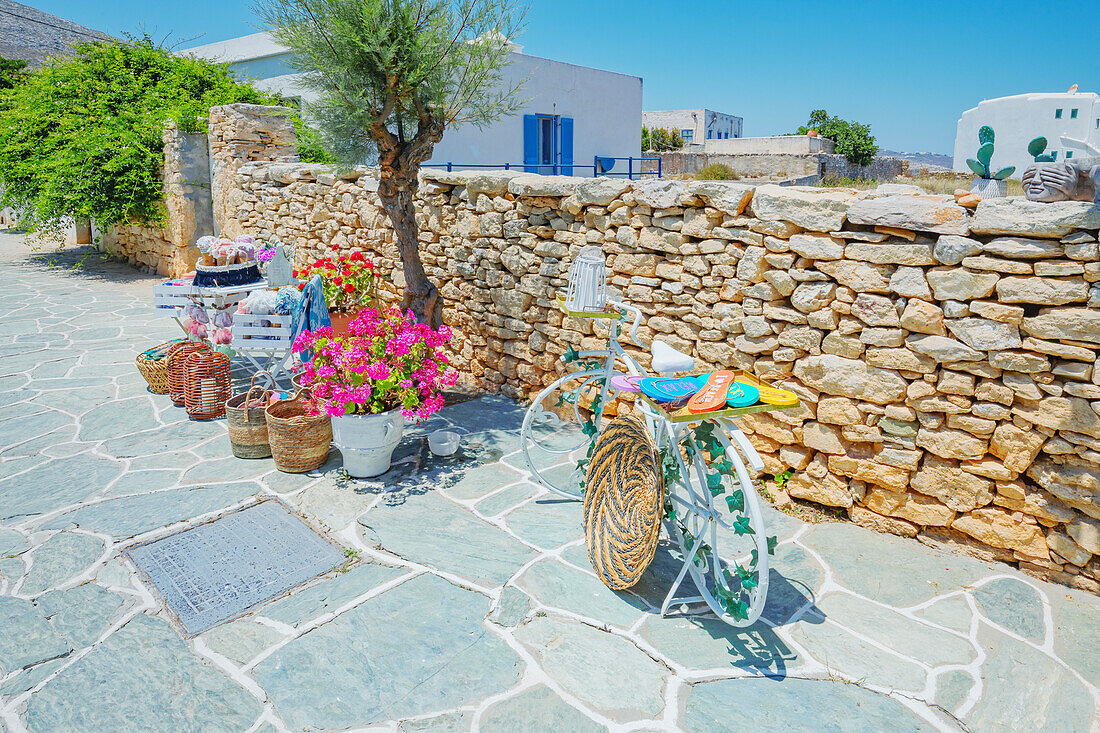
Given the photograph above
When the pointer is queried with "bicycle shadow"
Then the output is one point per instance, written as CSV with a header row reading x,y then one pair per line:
x,y
757,648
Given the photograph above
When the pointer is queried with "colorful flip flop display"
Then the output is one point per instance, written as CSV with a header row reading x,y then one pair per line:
x,y
712,394
662,389
703,393
625,383
769,395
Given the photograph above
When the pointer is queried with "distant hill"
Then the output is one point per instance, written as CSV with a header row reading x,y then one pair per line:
x,y
922,160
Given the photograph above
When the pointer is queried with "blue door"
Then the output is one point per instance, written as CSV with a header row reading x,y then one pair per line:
x,y
548,144
567,146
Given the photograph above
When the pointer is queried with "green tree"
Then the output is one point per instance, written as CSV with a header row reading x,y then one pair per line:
x,y
81,136
12,72
391,76
853,139
660,140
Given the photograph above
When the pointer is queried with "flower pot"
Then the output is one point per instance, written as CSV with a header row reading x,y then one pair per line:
x,y
341,321
368,441
988,188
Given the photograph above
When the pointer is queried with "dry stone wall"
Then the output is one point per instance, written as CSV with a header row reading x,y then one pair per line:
x,y
944,358
185,175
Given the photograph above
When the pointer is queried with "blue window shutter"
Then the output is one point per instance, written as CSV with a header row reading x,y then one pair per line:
x,y
567,146
530,144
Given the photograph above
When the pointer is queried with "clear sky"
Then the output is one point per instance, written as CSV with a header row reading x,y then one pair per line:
x,y
908,68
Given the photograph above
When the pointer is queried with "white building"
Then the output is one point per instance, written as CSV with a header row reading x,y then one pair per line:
x,y
1070,122
573,114
694,125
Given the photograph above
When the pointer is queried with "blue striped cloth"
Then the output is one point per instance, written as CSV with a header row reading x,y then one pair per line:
x,y
312,313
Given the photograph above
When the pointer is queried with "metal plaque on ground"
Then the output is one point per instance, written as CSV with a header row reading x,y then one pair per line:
x,y
216,571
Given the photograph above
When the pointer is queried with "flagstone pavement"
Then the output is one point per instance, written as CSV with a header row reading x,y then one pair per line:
x,y
469,602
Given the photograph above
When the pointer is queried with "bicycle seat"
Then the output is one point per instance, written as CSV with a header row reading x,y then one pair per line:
x,y
667,359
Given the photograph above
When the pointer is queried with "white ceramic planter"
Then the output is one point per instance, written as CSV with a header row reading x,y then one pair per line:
x,y
367,441
988,188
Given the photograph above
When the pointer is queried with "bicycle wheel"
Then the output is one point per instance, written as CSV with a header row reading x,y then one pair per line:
x,y
560,427
727,558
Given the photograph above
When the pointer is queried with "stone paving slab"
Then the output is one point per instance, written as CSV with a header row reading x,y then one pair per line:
x,y
471,604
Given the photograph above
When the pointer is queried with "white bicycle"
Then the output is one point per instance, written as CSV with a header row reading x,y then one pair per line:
x,y
702,457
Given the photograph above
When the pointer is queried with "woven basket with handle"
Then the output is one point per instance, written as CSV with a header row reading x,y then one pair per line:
x,y
623,503
248,425
153,365
177,355
299,441
206,384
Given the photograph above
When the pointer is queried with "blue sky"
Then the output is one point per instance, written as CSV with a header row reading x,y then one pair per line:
x,y
907,68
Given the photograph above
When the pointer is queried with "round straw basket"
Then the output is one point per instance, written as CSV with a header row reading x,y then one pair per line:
x,y
623,503
153,365
299,441
176,356
248,425
206,384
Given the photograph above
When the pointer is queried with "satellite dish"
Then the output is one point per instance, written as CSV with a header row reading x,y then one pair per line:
x,y
604,165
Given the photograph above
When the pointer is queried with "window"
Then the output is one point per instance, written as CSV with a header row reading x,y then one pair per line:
x,y
1054,155
710,134
688,135
1058,114
1073,114
546,141
1069,154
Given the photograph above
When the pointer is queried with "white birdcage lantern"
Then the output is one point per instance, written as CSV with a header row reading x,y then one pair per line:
x,y
587,282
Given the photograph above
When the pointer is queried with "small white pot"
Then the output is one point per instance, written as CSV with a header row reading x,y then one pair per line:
x,y
989,188
367,442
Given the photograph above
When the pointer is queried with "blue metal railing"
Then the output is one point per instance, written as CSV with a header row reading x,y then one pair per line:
x,y
602,165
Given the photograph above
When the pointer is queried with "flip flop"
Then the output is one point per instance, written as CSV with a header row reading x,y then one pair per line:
x,y
769,395
661,389
739,395
625,383
712,395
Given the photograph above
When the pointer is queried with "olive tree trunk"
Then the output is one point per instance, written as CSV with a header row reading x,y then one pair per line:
x,y
421,295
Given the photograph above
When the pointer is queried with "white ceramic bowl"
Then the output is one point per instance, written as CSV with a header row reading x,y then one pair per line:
x,y
444,442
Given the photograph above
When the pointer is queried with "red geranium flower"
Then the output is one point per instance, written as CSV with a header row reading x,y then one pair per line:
x,y
349,288
338,280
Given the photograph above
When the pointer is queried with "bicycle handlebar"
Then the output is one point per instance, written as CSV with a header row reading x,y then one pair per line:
x,y
637,319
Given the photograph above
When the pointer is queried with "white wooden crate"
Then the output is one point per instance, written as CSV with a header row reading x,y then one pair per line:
x,y
169,300
267,348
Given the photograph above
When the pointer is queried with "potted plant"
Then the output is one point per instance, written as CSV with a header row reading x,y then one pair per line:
x,y
988,185
386,368
349,283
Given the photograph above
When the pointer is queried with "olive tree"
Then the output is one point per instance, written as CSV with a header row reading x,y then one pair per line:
x,y
391,76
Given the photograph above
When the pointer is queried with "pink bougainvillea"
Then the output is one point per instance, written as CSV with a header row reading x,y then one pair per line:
x,y
386,360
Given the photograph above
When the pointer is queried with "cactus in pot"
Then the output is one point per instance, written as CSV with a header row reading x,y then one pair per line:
x,y
988,184
1036,149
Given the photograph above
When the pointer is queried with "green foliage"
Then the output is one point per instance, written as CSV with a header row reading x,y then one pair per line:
x,y
783,477
979,168
659,140
311,146
12,72
981,164
82,136
853,139
1036,147
717,172
985,154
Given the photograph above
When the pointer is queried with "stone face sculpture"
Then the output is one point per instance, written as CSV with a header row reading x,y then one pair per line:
x,y
1077,179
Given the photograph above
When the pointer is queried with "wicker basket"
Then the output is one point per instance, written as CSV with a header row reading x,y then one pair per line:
x,y
206,384
153,365
623,503
248,426
299,441
176,356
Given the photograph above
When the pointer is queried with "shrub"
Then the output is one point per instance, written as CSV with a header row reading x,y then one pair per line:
x,y
853,139
81,136
717,172
12,72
